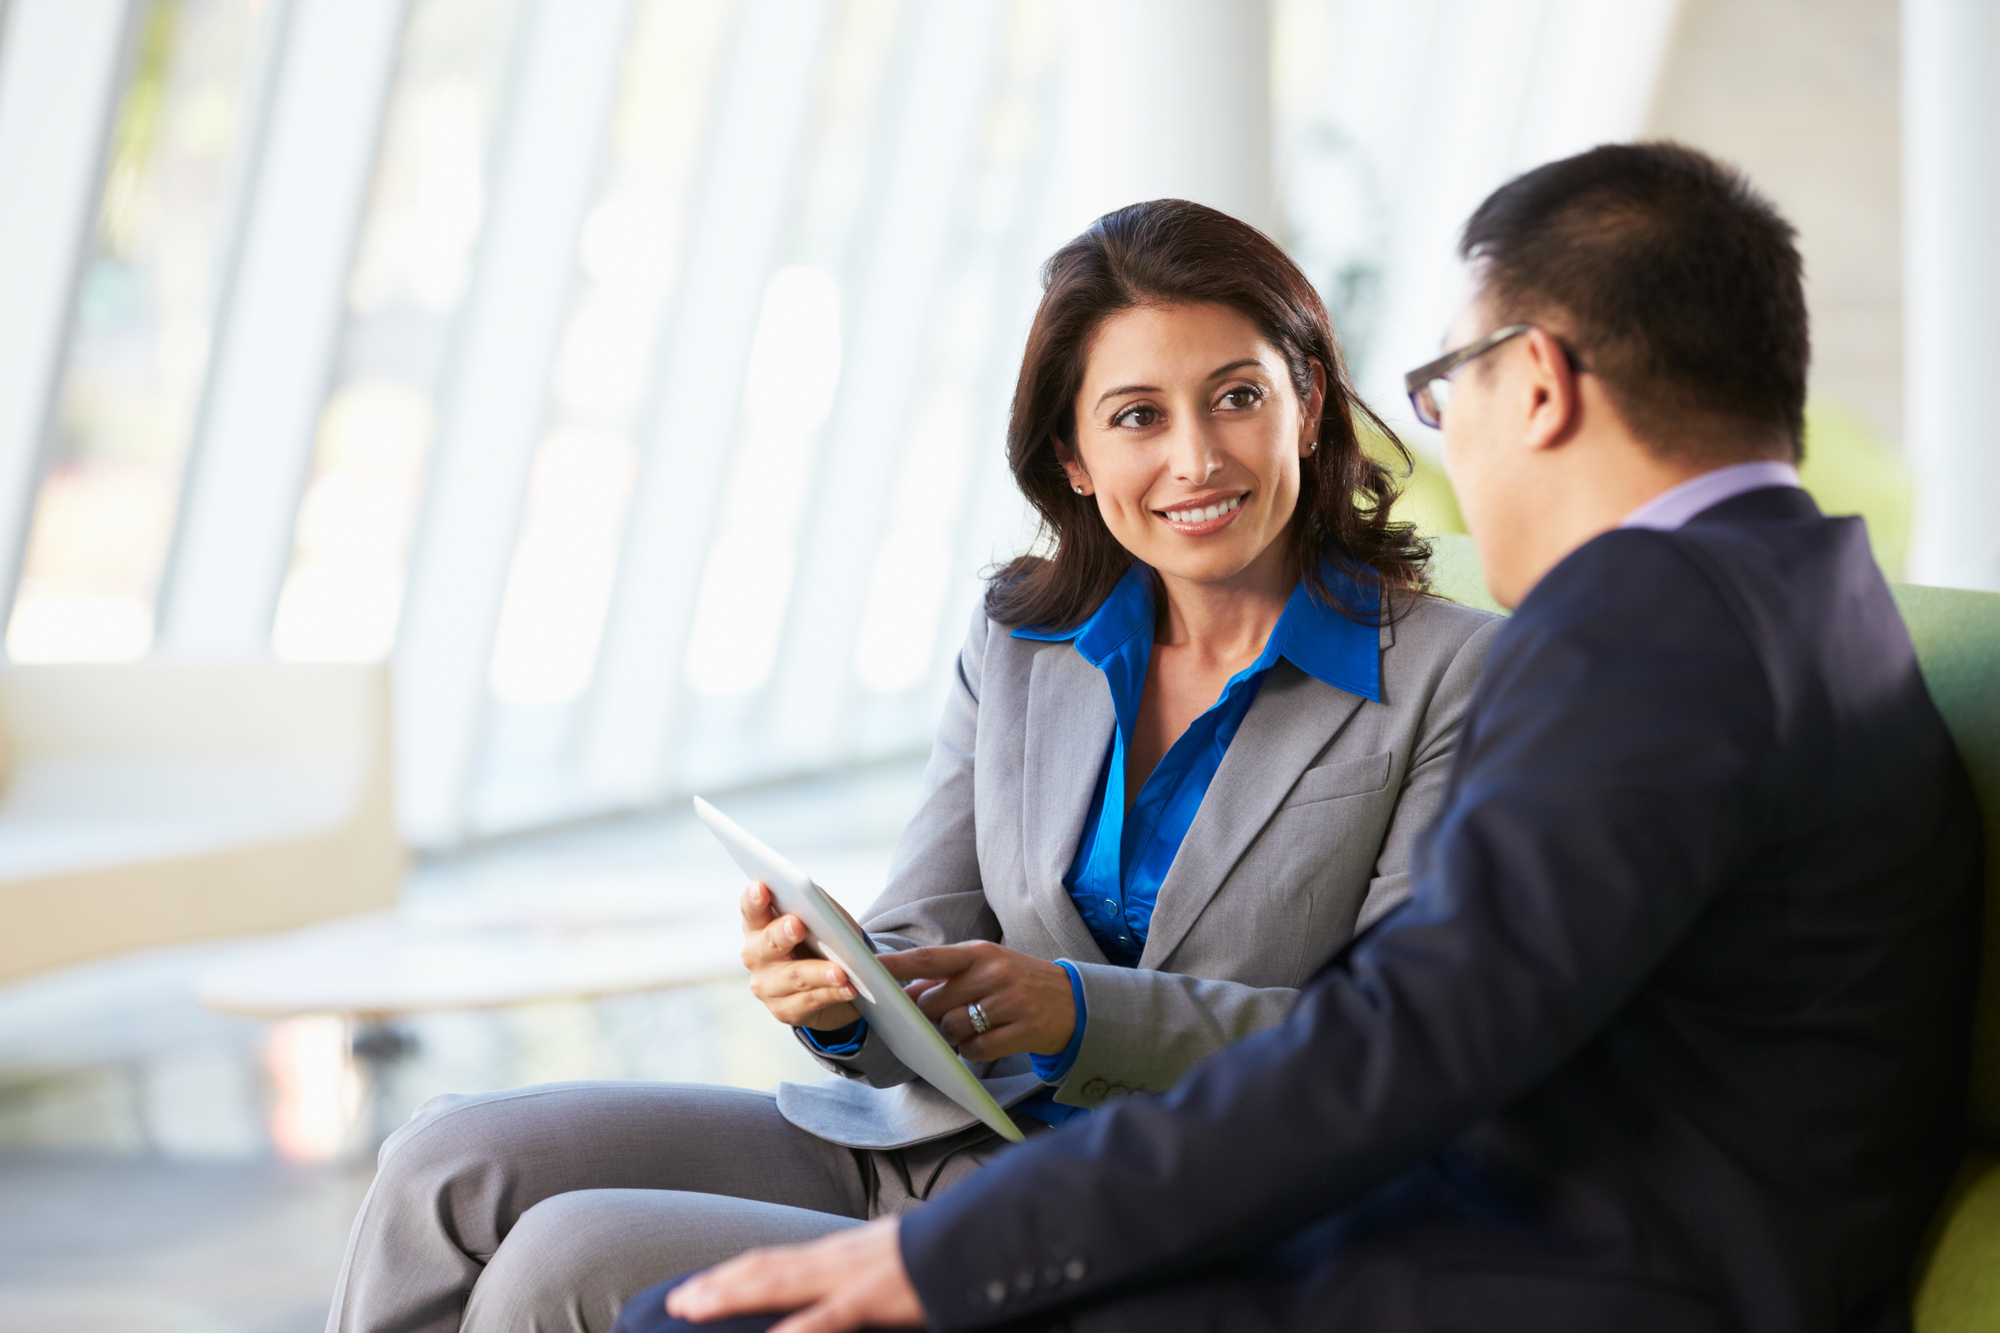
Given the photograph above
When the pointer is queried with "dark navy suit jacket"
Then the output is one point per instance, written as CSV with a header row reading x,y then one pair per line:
x,y
1672,1033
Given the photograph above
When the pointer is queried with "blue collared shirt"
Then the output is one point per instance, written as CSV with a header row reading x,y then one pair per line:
x,y
1124,854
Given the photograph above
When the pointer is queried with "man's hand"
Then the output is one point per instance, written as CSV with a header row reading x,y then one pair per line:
x,y
852,1279
798,988
1026,999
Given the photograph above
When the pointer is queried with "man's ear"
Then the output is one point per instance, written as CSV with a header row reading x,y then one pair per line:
x,y
1554,406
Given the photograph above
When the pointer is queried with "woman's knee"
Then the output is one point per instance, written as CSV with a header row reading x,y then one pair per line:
x,y
454,1139
541,1277
439,1130
574,1260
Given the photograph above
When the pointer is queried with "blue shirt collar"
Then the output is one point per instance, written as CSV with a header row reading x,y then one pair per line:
x,y
1312,636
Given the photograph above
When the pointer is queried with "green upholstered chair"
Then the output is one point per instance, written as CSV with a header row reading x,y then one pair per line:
x,y
1958,646
1958,649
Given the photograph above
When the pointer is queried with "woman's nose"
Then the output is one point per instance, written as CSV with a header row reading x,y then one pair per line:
x,y
1195,457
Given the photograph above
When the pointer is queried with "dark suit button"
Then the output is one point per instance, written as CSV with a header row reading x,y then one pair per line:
x,y
1075,1269
1095,1088
1024,1282
1051,1274
995,1293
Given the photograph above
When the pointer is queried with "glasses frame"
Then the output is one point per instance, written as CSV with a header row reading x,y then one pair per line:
x,y
1418,382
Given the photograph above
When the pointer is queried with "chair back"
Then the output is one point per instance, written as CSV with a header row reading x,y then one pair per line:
x,y
1958,649
1957,1278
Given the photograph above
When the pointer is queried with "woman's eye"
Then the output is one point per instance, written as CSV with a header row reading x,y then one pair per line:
x,y
1140,416
1242,396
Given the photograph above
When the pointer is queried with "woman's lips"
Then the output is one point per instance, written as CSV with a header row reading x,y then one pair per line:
x,y
1185,520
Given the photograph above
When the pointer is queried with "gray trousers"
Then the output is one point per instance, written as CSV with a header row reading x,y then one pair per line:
x,y
547,1208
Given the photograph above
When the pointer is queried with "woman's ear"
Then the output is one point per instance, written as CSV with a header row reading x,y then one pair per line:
x,y
1314,408
1079,476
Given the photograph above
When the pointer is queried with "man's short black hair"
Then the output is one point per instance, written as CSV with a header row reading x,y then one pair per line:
x,y
1672,279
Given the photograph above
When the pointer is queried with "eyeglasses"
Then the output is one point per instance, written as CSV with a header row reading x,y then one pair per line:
x,y
1429,385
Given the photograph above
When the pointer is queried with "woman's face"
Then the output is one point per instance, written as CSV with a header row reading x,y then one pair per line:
x,y
1189,434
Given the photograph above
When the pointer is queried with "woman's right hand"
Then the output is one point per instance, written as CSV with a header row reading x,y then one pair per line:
x,y
798,988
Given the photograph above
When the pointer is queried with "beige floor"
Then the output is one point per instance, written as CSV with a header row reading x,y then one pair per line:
x,y
139,1187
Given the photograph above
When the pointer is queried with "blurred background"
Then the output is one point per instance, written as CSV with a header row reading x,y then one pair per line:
x,y
439,436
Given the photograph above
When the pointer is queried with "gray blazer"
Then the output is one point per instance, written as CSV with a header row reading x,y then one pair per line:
x,y
1303,838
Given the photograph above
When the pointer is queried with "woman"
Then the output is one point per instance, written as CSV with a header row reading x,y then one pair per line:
x,y
1186,755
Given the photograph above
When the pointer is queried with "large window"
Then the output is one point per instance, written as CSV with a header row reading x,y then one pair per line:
x,y
131,387
658,443
344,591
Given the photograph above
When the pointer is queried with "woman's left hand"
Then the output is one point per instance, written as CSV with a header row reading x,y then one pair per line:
x,y
1025,999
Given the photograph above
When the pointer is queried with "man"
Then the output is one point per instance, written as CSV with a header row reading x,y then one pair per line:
x,y
1672,1032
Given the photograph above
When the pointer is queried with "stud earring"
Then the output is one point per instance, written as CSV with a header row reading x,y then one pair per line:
x,y
1077,489
1312,447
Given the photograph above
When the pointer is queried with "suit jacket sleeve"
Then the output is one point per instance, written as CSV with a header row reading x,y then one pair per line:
x,y
934,895
1608,783
1147,1028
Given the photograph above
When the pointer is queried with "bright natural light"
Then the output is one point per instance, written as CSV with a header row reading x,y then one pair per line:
x,y
788,391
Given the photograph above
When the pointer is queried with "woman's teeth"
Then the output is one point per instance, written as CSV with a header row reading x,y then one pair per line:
x,y
1203,515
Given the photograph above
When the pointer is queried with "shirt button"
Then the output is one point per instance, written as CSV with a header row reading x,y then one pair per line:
x,y
1075,1269
1024,1282
1095,1088
996,1293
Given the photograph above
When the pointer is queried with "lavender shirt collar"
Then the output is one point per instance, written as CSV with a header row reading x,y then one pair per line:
x,y
1670,509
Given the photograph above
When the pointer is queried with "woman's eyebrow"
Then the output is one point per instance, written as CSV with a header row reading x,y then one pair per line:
x,y
1235,365
1125,388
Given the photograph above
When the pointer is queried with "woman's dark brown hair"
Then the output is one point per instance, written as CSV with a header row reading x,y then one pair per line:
x,y
1172,252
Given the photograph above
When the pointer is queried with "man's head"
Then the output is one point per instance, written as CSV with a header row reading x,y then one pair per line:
x,y
1668,338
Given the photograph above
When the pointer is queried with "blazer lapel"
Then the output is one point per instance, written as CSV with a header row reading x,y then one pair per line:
x,y
1070,720
1291,721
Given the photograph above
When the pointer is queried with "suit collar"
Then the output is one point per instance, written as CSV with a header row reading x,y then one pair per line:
x,y
1069,722
1315,637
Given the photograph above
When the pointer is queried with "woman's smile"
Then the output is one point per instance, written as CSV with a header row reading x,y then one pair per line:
x,y
1201,517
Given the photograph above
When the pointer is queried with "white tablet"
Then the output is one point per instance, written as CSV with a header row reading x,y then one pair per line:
x,y
891,1015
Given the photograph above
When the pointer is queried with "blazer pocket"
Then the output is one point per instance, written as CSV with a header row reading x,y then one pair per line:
x,y
1350,777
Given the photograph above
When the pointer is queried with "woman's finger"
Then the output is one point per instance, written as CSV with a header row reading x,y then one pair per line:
x,y
778,940
958,992
995,1042
797,1009
800,976
956,1024
756,906
932,961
